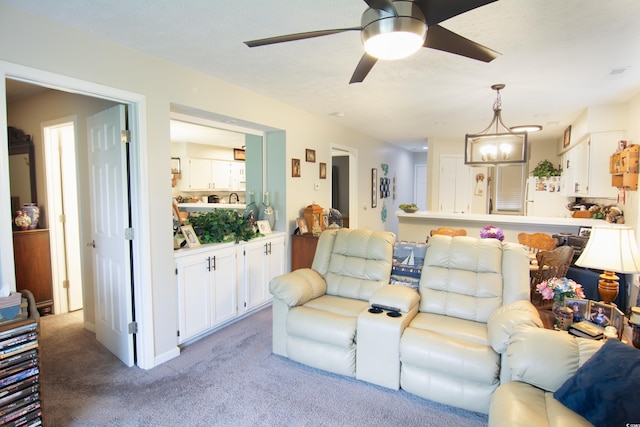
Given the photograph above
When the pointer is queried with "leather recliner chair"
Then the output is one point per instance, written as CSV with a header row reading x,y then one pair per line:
x,y
473,292
315,310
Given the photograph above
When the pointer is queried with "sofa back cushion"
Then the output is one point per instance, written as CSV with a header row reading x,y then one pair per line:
x,y
462,277
355,263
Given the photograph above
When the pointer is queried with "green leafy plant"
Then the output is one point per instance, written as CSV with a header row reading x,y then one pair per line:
x,y
221,225
545,169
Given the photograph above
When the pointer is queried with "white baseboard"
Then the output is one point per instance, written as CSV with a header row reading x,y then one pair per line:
x,y
164,357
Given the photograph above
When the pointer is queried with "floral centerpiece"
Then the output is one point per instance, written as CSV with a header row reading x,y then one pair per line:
x,y
492,232
558,289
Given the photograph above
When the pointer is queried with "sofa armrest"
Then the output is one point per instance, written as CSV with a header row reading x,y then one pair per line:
x,y
546,358
400,297
298,287
505,319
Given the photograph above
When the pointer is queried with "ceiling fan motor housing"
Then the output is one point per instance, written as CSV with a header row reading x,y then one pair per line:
x,y
410,22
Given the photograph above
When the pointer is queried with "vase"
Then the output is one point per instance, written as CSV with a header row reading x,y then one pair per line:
x,y
22,220
33,211
252,212
267,211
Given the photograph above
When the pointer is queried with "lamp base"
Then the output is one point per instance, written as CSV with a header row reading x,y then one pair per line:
x,y
608,286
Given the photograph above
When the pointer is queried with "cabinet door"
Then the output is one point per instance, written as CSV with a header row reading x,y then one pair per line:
x,y
194,295
275,261
238,179
223,289
256,291
220,175
199,174
577,170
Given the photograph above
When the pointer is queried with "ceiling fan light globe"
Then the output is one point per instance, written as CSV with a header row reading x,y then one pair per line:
x,y
394,45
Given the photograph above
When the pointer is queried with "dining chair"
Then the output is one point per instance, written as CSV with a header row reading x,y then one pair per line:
x,y
537,241
448,231
554,263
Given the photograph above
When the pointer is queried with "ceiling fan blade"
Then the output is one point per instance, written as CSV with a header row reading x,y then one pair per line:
x,y
436,11
385,5
364,66
442,39
298,36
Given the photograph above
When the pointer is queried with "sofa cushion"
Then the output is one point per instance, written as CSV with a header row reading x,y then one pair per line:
x,y
408,258
462,277
452,327
603,389
338,305
322,326
518,404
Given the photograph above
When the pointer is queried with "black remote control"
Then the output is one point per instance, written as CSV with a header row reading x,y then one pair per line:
x,y
385,307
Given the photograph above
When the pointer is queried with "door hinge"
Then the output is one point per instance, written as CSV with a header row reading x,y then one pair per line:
x,y
178,333
125,136
65,284
62,218
176,271
133,327
128,233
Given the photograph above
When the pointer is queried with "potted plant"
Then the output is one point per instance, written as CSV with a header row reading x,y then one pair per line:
x,y
222,225
545,169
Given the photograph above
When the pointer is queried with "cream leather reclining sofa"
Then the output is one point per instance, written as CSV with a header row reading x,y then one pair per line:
x,y
541,361
446,346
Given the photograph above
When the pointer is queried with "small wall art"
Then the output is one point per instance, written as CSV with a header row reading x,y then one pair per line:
x,y
310,155
323,171
295,168
567,137
239,154
374,188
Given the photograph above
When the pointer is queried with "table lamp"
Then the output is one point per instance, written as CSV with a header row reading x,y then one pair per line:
x,y
613,249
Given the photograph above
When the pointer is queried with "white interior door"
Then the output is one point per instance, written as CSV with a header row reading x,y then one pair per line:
x,y
109,220
455,183
420,186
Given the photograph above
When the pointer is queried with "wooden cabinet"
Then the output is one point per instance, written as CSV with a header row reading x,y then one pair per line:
x,y
206,290
623,166
303,249
218,283
32,258
20,370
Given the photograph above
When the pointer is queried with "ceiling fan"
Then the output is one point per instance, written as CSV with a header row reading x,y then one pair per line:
x,y
394,29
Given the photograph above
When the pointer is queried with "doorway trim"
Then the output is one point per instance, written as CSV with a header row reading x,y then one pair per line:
x,y
354,200
142,292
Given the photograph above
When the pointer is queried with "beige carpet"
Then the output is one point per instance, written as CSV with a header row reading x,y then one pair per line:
x,y
229,378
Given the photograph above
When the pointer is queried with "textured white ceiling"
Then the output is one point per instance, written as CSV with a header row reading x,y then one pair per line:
x,y
557,58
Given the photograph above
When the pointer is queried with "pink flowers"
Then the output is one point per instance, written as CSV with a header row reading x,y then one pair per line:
x,y
558,289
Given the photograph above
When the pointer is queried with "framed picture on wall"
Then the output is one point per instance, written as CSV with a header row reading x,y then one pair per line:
x,y
239,154
323,171
567,137
295,168
310,155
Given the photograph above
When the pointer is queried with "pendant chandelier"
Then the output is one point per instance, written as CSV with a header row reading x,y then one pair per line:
x,y
497,144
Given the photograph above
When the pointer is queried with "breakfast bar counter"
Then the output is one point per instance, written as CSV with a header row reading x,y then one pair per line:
x,y
417,226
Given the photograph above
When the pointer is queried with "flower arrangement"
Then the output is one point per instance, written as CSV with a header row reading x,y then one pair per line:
x,y
558,289
492,232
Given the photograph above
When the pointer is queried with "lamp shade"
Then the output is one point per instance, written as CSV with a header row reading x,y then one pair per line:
x,y
611,248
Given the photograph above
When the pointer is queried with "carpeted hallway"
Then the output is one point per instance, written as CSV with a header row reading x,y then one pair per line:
x,y
229,378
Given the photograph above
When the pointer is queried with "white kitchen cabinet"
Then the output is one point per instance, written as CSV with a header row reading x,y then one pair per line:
x,y
586,166
219,283
258,262
206,290
238,176
205,174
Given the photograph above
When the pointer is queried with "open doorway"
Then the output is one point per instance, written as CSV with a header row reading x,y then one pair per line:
x,y
59,142
344,183
104,97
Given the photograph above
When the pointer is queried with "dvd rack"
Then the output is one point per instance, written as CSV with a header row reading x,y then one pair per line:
x,y
20,403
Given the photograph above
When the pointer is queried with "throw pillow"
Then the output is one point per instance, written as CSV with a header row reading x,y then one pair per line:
x,y
408,258
603,389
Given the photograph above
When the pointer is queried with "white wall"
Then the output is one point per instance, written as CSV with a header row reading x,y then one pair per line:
x,y
47,46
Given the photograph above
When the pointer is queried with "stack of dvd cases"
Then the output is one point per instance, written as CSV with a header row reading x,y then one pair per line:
x,y
19,374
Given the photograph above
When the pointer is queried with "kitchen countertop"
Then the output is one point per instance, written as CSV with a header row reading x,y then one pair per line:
x,y
505,219
417,226
200,206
